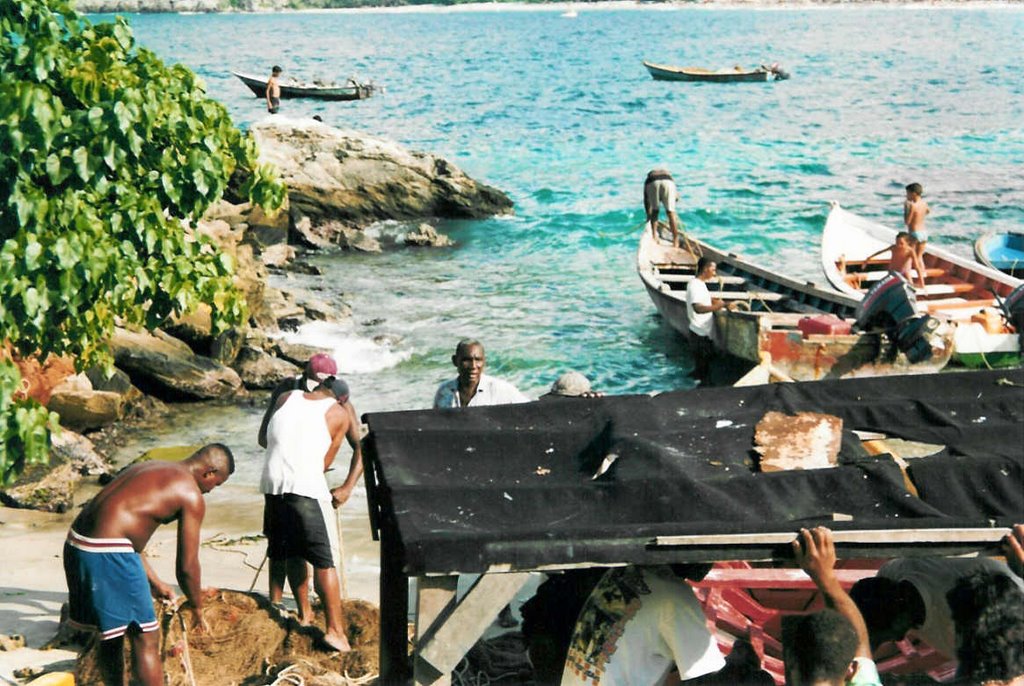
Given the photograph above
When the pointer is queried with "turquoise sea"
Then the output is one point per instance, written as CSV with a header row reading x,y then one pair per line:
x,y
561,114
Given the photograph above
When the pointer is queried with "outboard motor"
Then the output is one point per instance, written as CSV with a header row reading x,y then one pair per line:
x,y
891,306
1013,308
780,73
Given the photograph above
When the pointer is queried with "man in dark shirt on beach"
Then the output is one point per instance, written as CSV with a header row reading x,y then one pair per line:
x,y
109,581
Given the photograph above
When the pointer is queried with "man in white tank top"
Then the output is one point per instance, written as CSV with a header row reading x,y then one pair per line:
x,y
303,438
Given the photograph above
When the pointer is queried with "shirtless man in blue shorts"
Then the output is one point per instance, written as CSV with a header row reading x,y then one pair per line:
x,y
110,584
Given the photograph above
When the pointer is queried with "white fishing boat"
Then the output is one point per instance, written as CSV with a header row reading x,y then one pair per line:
x,y
956,288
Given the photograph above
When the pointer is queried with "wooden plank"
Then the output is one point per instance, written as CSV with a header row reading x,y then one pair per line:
x,y
865,536
876,275
435,597
394,613
945,289
449,642
687,278
742,296
789,579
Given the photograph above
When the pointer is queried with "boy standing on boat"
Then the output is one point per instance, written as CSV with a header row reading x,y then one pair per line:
x,y
273,91
904,256
915,209
660,189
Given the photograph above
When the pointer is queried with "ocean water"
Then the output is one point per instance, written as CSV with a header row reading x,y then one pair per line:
x,y
561,114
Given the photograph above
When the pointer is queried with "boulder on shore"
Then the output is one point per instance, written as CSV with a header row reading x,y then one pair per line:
x,y
355,177
51,487
260,369
166,367
426,235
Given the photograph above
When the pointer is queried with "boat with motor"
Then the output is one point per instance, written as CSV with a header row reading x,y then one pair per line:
x,y
737,74
973,296
799,330
350,90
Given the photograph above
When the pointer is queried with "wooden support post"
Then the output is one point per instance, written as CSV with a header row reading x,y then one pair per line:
x,y
435,598
394,614
448,642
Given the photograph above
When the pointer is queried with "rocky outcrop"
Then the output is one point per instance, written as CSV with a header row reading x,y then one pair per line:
x,y
357,178
426,235
260,369
51,487
166,367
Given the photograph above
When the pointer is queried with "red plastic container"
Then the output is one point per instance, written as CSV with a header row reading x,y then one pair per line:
x,y
827,324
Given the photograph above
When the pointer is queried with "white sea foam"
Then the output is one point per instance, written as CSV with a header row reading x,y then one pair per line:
x,y
355,354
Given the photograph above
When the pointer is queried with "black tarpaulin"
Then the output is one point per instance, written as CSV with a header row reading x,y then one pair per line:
x,y
560,482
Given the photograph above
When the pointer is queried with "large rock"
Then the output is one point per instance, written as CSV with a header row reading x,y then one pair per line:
x,y
259,369
51,487
426,235
83,410
354,177
166,367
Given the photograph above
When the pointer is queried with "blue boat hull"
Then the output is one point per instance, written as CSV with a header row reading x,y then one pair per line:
x,y
1002,251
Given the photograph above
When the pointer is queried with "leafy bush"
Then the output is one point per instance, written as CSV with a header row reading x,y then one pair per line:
x,y
106,154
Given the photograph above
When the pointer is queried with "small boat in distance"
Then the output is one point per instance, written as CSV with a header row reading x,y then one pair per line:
x,y
664,72
351,90
570,13
1002,251
957,289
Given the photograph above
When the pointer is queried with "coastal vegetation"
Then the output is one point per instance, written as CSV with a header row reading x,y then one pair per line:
x,y
107,158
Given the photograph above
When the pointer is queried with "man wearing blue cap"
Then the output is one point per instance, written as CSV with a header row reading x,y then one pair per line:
x,y
303,437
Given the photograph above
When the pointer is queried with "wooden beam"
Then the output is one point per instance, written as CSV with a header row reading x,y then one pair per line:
x,y
453,635
789,579
394,613
435,597
983,537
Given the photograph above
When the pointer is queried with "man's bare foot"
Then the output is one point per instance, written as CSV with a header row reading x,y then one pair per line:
x,y
337,642
305,619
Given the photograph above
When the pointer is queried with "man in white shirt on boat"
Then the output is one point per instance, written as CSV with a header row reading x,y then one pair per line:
x,y
700,309
473,388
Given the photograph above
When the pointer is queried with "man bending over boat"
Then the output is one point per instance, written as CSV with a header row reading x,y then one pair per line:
x,y
915,209
273,91
109,580
660,189
904,256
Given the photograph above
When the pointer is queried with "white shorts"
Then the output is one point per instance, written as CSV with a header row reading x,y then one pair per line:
x,y
661,191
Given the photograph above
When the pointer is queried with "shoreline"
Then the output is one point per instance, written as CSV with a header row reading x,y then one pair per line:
x,y
599,5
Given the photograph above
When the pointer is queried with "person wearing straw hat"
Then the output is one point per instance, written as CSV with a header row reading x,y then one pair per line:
x,y
303,438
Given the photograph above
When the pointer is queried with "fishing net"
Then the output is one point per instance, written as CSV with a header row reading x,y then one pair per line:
x,y
251,643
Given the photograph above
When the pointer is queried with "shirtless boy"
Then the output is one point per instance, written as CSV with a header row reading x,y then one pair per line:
x,y
109,581
904,256
915,209
273,92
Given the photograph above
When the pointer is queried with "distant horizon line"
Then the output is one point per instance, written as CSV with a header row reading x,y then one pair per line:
x,y
551,5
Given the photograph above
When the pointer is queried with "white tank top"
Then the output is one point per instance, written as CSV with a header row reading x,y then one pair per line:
x,y
297,441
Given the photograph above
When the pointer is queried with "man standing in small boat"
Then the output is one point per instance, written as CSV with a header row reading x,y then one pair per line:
x,y
660,189
273,91
915,209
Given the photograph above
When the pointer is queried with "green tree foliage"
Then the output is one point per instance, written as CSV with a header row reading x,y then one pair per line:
x,y
105,154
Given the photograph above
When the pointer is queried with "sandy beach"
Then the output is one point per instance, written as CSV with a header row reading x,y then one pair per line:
x,y
32,586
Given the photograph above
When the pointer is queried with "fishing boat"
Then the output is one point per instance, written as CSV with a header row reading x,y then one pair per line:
x,y
664,72
1002,251
798,330
957,289
351,90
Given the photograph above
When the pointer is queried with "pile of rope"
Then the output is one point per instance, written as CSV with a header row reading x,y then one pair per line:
x,y
250,641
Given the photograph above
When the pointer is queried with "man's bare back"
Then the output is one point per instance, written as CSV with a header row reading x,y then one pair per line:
x,y
140,499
